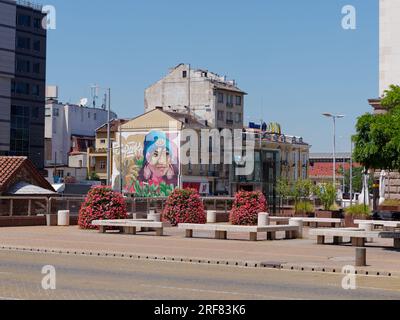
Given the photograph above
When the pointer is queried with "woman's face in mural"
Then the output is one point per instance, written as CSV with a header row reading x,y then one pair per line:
x,y
159,162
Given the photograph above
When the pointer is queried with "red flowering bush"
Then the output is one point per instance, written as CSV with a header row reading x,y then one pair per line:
x,y
246,207
101,203
184,206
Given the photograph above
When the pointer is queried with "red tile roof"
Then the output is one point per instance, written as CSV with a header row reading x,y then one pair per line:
x,y
10,167
325,169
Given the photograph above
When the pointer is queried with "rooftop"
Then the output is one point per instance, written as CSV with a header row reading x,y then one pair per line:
x,y
28,4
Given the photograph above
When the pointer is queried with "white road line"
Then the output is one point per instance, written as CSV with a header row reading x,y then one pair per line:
x,y
218,292
9,299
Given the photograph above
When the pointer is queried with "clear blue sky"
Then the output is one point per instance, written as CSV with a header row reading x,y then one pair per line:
x,y
291,56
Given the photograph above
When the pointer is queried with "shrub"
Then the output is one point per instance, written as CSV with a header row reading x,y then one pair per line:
x,y
246,207
184,206
101,203
358,210
304,207
327,194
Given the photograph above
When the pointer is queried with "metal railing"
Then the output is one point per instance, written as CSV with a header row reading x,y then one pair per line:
x,y
33,206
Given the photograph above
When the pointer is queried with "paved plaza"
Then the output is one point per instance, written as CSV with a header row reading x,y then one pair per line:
x,y
381,257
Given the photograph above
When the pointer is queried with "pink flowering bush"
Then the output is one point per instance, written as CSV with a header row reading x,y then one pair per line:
x,y
101,203
246,207
184,206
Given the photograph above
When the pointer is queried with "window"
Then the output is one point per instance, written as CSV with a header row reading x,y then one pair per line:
x,y
238,100
95,116
35,112
35,90
23,43
221,115
36,45
12,86
23,65
88,115
24,20
56,112
184,74
103,141
102,164
36,68
238,118
229,116
220,97
19,141
22,88
37,23
230,101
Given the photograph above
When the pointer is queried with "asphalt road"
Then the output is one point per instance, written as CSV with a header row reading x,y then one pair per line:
x,y
82,277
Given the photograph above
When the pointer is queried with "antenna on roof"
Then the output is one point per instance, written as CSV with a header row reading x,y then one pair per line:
x,y
94,90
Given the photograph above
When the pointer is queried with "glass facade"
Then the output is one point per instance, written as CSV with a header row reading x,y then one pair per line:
x,y
19,142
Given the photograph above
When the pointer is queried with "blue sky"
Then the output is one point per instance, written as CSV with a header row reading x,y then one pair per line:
x,y
292,57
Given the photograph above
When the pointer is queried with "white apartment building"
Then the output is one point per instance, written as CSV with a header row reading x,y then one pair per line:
x,y
389,45
212,99
70,129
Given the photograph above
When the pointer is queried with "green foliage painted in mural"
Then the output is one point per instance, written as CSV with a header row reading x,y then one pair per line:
x,y
153,191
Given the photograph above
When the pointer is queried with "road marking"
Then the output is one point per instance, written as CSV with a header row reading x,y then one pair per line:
x,y
219,292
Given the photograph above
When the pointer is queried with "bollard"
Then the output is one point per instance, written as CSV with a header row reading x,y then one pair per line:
x,y
211,216
367,227
298,223
63,218
153,216
263,219
361,257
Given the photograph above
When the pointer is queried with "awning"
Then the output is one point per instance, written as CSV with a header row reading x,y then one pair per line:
x,y
23,188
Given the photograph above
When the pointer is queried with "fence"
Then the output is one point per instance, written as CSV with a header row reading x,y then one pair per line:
x,y
32,206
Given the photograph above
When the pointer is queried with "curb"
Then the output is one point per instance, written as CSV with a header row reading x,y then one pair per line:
x,y
230,263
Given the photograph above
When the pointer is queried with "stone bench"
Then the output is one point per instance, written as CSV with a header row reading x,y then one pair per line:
x,y
315,222
131,226
379,223
358,237
221,231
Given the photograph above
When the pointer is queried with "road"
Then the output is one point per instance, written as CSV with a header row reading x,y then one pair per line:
x,y
82,277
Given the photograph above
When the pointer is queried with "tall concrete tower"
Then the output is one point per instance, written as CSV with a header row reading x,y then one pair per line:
x,y
389,46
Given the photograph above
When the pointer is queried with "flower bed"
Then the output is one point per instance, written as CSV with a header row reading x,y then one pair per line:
x,y
184,206
246,208
101,203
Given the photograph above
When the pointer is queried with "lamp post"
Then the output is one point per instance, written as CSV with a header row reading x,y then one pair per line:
x,y
334,118
107,95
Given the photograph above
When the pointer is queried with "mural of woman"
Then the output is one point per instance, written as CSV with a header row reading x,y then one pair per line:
x,y
160,163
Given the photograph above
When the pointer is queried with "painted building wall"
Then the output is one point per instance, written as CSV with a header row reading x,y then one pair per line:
x,y
389,44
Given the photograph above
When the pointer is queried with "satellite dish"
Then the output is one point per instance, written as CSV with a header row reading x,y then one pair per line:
x,y
83,102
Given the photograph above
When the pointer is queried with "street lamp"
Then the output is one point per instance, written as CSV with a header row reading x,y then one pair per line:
x,y
334,117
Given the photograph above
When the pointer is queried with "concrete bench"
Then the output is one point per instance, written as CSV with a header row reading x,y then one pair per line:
x,y
358,237
221,231
131,226
315,222
379,223
279,220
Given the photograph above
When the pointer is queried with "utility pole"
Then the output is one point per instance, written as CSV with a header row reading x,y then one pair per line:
x,y
351,173
108,138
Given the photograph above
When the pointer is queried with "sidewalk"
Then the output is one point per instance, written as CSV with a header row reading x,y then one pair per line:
x,y
305,253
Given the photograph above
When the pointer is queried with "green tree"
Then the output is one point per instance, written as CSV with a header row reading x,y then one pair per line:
x,y
391,98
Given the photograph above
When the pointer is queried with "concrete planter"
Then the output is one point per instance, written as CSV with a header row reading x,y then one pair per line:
x,y
389,208
349,220
329,214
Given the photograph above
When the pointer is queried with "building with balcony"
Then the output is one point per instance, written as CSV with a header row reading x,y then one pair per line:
x,y
212,99
96,155
70,131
